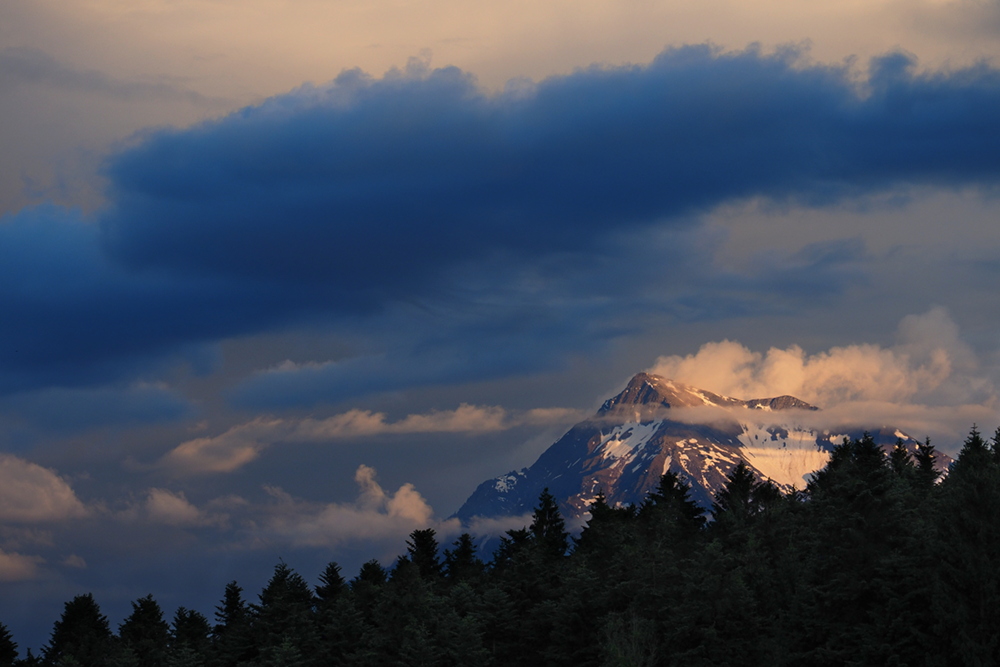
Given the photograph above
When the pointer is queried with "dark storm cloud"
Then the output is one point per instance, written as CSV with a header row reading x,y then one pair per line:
x,y
70,315
334,202
371,187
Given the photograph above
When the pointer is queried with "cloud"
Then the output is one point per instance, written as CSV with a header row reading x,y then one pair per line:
x,y
243,443
18,567
930,381
465,175
173,509
75,562
226,452
30,493
375,515
496,526
929,362
330,203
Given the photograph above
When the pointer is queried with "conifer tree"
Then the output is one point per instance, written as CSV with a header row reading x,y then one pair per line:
x,y
81,634
670,503
548,530
743,496
968,603
189,639
232,641
368,588
331,585
371,573
858,535
462,563
145,633
285,612
512,543
422,550
8,647
926,459
605,534
900,459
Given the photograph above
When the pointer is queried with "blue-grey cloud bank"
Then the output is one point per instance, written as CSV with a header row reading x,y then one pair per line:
x,y
339,200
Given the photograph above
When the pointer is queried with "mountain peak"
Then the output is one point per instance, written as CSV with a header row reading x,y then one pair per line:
x,y
646,391
634,439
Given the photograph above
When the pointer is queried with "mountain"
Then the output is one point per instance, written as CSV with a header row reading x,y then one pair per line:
x,y
655,425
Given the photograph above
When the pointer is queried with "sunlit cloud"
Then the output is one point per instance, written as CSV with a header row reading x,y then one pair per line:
x,y
929,361
174,509
18,567
243,443
375,515
30,493
930,380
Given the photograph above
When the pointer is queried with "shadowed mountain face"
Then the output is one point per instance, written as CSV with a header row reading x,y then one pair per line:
x,y
655,425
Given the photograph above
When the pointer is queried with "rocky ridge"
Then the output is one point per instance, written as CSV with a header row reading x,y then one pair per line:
x,y
656,424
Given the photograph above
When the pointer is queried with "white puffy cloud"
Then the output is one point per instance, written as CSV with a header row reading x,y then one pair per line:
x,y
375,515
30,493
243,443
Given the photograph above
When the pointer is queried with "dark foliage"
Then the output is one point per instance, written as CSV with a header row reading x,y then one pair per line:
x,y
8,647
876,562
81,636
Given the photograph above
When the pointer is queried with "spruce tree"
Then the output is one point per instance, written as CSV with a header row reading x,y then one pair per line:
x,y
286,612
422,550
189,638
926,458
968,546
145,633
81,634
371,573
858,538
743,496
900,459
670,504
548,530
331,586
462,563
8,647
232,640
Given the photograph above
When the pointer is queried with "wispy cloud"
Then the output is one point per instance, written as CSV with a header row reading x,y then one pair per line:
x,y
243,443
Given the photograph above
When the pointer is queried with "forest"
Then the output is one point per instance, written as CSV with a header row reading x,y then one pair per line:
x,y
879,561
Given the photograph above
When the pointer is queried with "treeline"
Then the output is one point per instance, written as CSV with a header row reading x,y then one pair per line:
x,y
877,562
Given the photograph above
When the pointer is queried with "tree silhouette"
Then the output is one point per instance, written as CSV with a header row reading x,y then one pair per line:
x,y
81,635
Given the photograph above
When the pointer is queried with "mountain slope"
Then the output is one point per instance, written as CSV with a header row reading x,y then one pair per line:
x,y
655,425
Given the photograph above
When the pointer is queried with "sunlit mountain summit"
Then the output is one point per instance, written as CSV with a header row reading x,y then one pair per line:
x,y
657,425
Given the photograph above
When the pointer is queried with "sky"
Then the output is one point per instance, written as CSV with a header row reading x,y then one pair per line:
x,y
287,279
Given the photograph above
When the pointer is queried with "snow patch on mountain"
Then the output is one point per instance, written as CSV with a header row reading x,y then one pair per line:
x,y
656,425
627,439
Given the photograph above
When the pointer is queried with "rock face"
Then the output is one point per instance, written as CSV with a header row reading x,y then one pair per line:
x,y
655,425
